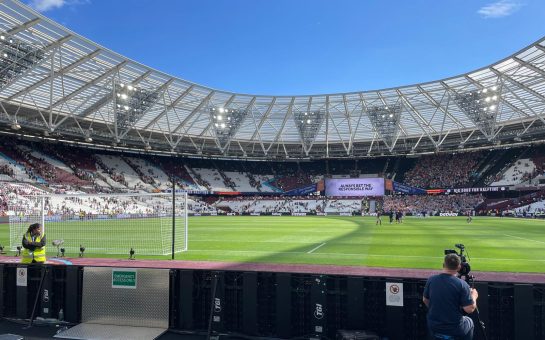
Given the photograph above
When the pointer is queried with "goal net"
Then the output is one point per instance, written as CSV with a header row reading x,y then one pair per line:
x,y
104,223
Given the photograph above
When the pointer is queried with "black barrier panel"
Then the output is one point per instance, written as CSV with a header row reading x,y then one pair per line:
x,y
501,321
186,299
2,291
286,305
248,294
414,310
524,311
539,312
337,304
202,283
266,304
72,293
301,309
374,312
481,316
232,305
354,296
394,318
319,313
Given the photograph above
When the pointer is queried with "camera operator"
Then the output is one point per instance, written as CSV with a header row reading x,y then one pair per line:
x,y
446,296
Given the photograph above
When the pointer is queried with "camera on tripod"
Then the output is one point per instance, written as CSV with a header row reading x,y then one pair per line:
x,y
465,267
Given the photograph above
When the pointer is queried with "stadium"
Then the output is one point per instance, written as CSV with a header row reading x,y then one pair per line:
x,y
255,216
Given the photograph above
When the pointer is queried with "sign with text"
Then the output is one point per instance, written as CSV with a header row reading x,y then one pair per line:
x,y
22,277
124,278
394,294
354,187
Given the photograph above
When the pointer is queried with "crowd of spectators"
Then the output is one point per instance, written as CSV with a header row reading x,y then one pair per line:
x,y
432,204
444,171
520,171
119,178
146,178
6,170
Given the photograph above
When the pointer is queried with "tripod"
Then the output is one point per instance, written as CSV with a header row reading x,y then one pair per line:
x,y
470,279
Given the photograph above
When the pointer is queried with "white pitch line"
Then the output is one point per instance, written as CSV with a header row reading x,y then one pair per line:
x,y
269,252
313,249
522,238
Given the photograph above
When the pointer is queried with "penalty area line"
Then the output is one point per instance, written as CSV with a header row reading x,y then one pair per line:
x,y
522,238
313,249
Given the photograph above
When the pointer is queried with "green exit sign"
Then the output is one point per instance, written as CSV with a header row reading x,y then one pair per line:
x,y
124,278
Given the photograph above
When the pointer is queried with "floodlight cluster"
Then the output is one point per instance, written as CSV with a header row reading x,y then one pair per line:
x,y
308,124
16,57
308,117
131,103
385,120
481,106
226,122
222,117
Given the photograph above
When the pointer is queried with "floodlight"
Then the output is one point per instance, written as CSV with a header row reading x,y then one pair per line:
x,y
223,125
2,37
220,117
81,250
485,90
386,107
306,113
5,55
57,243
130,88
123,96
216,124
495,98
126,107
122,85
492,107
131,254
308,121
88,139
221,109
494,88
391,115
147,147
15,126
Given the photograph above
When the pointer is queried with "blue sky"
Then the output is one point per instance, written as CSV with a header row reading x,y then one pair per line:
x,y
289,47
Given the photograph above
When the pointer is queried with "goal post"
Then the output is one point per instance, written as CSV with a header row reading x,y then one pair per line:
x,y
104,223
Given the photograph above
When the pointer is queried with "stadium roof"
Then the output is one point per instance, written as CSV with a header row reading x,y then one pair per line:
x,y
58,84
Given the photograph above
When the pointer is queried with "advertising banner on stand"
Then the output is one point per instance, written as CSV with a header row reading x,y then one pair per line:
x,y
354,187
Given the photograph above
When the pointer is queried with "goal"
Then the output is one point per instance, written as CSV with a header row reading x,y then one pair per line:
x,y
104,223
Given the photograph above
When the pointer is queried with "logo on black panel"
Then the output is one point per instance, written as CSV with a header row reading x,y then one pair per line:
x,y
217,305
318,311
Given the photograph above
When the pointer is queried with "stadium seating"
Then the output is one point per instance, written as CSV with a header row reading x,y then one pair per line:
x,y
522,170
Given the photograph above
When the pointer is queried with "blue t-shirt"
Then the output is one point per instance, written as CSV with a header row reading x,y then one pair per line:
x,y
447,295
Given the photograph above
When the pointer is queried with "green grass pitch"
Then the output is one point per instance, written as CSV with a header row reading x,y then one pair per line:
x,y
494,244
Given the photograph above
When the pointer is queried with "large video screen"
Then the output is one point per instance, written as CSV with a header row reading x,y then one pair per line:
x,y
354,187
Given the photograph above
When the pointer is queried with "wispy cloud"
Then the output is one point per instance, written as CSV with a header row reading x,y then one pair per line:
x,y
47,5
499,9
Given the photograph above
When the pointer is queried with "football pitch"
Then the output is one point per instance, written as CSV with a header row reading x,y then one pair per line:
x,y
494,244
